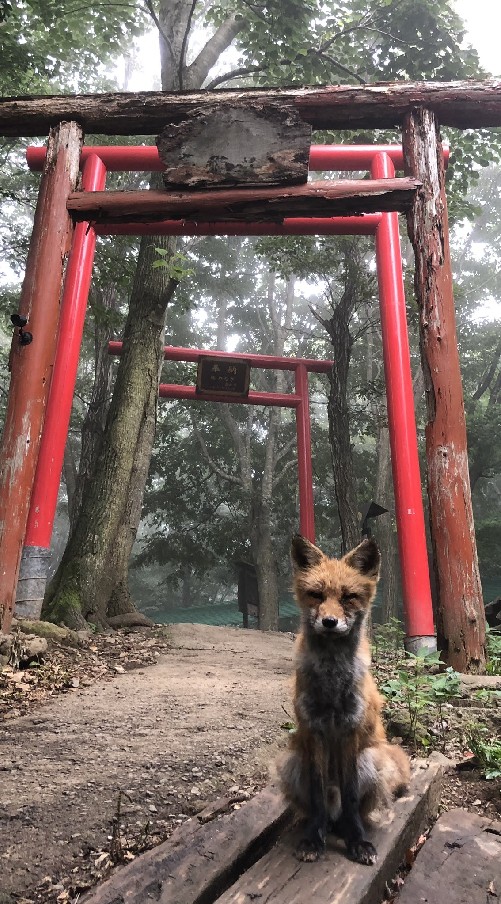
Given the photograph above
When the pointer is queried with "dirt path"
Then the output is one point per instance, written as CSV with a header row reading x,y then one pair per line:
x,y
205,720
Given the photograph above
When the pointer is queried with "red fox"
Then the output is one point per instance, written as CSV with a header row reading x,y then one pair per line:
x,y
339,766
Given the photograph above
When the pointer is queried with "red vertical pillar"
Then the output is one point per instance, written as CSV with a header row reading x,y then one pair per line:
x,y
418,609
303,430
31,365
35,559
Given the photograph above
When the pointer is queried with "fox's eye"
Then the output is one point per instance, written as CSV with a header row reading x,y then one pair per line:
x,y
316,594
347,597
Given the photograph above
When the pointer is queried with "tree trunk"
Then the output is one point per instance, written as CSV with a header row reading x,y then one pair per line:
x,y
91,583
95,560
338,328
460,617
95,418
266,567
339,435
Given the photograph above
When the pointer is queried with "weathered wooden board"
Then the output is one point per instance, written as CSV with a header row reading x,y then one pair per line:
x,y
279,878
466,104
201,859
260,144
317,199
459,864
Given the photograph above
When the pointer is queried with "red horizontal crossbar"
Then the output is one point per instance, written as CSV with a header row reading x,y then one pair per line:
x,y
275,399
365,224
145,159
341,157
265,362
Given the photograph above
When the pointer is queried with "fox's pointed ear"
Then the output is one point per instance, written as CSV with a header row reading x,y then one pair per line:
x,y
365,558
304,554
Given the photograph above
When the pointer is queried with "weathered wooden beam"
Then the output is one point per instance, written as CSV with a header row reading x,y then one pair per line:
x,y
462,104
32,361
317,199
460,616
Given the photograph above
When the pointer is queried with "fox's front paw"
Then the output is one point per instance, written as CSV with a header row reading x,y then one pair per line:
x,y
362,852
312,845
309,851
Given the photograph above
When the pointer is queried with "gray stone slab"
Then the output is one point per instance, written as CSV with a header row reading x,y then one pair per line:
x,y
460,863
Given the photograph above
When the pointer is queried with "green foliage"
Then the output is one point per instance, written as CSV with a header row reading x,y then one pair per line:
x,y
58,45
175,263
488,753
493,643
420,692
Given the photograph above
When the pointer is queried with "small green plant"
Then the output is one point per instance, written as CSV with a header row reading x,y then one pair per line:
x,y
420,691
174,262
487,753
493,643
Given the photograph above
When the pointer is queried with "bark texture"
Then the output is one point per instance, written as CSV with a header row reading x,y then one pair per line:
x,y
95,419
463,104
460,615
338,329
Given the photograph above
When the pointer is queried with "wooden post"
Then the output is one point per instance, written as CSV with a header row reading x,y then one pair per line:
x,y
31,364
460,615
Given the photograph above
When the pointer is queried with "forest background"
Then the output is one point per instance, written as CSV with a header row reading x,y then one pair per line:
x,y
162,502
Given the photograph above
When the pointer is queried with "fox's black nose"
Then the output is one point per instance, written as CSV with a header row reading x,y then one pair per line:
x,y
329,621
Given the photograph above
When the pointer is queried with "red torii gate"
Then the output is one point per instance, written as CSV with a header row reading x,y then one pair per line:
x,y
298,400
382,162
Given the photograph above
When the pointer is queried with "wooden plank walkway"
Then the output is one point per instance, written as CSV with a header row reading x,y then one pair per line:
x,y
459,864
237,857
279,878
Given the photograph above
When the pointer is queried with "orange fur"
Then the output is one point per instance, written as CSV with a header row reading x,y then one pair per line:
x,y
340,765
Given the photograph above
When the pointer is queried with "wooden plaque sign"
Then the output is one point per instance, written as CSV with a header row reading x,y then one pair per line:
x,y
223,375
255,145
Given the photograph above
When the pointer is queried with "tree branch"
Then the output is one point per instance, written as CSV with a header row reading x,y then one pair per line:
x,y
182,55
210,53
285,470
342,68
156,20
285,450
212,464
239,445
236,73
